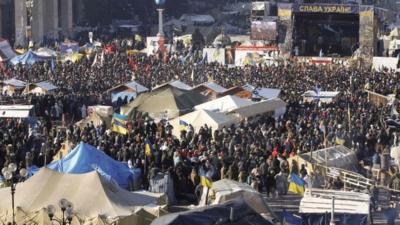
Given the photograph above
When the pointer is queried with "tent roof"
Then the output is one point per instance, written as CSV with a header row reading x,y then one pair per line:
x,y
47,85
15,82
213,86
210,215
29,58
133,85
46,52
174,83
91,194
170,102
260,107
86,158
266,93
224,104
6,52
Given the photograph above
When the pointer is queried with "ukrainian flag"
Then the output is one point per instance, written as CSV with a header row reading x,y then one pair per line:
x,y
119,123
183,125
296,184
205,182
148,148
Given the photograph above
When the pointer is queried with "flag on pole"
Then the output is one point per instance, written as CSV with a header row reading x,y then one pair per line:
x,y
119,123
192,76
95,60
183,125
102,58
53,65
205,182
296,184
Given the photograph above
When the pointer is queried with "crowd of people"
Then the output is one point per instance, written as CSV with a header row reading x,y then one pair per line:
x,y
253,151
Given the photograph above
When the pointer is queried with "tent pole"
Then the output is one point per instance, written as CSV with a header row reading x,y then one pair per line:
x,y
332,222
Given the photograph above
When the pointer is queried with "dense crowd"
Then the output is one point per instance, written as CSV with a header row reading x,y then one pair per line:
x,y
253,151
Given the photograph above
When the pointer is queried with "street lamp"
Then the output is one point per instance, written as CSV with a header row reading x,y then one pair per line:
x,y
9,173
67,210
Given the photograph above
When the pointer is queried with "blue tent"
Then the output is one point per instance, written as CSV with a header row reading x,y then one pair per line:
x,y
28,58
85,158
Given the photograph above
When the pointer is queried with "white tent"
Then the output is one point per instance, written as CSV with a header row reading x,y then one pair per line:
x,y
92,195
224,104
199,118
174,83
276,107
226,190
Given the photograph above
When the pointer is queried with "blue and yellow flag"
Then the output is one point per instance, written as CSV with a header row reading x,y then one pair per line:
x,y
290,219
119,123
148,148
205,182
296,184
183,125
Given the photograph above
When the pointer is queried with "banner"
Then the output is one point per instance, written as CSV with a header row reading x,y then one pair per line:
x,y
258,6
326,8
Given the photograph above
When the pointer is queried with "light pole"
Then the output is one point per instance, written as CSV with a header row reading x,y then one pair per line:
x,y
66,209
11,176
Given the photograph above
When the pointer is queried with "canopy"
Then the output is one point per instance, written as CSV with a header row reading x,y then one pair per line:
x,y
165,103
28,58
40,88
92,196
69,47
129,90
216,214
338,156
6,51
275,106
211,86
85,158
224,104
226,190
14,82
199,118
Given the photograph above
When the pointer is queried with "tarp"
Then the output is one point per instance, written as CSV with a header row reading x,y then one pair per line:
x,y
324,96
46,52
40,88
129,90
6,51
165,103
216,214
28,58
11,86
211,86
226,190
275,106
85,158
91,194
224,104
198,118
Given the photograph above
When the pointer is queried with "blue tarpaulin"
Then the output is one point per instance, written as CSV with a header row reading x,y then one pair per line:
x,y
28,58
122,95
85,158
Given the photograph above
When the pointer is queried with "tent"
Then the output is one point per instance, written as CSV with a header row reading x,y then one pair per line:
x,y
96,119
261,92
129,90
226,190
85,158
69,47
350,207
276,107
224,104
174,83
198,118
236,212
12,85
91,194
165,103
28,58
6,52
40,88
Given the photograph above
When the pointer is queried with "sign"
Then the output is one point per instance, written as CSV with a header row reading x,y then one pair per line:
x,y
263,30
326,8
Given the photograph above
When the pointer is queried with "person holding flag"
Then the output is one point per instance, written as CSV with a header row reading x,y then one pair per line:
x,y
119,123
296,184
